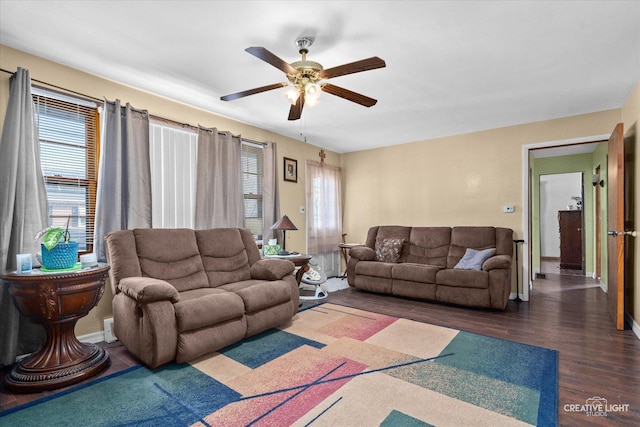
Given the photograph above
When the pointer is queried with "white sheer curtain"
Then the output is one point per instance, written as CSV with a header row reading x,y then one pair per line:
x,y
270,198
219,197
173,175
23,211
123,200
324,207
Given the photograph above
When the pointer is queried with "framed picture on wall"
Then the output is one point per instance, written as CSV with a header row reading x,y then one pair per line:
x,y
290,170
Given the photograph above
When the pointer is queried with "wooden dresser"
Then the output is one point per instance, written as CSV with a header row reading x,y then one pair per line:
x,y
570,223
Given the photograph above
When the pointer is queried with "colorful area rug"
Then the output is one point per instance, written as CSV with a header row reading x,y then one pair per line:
x,y
332,366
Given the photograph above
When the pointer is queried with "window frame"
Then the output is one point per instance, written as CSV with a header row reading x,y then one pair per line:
x,y
90,110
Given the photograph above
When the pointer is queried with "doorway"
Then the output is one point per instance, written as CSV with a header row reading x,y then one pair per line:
x,y
561,224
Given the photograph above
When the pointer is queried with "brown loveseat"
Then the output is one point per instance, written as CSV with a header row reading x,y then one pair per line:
x,y
461,265
181,293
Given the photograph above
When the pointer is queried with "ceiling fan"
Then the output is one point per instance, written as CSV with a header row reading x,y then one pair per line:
x,y
306,78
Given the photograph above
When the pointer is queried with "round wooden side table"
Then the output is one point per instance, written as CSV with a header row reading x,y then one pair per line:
x,y
56,301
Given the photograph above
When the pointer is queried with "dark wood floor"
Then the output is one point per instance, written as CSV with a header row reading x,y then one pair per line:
x,y
566,313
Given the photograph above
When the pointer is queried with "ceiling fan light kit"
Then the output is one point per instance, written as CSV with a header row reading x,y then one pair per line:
x,y
305,78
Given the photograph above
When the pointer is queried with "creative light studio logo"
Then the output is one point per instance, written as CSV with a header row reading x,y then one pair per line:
x,y
596,407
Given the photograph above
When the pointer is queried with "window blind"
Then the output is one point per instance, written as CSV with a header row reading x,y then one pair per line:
x,y
252,184
69,142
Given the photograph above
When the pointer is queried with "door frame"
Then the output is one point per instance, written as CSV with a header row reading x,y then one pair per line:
x,y
527,258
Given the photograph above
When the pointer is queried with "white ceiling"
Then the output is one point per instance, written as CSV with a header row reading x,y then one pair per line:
x,y
452,66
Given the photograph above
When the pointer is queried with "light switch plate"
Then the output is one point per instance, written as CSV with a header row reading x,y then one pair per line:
x,y
301,209
509,209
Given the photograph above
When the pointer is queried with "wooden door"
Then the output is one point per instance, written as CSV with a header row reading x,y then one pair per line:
x,y
598,226
615,226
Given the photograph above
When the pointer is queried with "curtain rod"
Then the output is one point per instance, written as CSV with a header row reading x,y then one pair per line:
x,y
89,97
151,116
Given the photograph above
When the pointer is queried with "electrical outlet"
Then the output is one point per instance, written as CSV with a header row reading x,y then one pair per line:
x,y
509,209
108,331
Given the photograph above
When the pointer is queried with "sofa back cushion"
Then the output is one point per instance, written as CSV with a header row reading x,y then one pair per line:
x,y
478,238
428,245
171,255
225,256
387,232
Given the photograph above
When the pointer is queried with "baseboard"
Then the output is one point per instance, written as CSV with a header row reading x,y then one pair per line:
x,y
604,287
513,296
93,338
635,327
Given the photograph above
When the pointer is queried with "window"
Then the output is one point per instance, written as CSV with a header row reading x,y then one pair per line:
x,y
68,151
252,181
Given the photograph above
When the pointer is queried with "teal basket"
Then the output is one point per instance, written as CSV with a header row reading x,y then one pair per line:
x,y
64,255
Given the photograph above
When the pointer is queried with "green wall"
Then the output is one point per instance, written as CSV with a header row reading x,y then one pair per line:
x,y
564,164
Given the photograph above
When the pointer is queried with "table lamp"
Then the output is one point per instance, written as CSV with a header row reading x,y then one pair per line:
x,y
284,224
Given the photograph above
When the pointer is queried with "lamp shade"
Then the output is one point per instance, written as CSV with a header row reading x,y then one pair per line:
x,y
284,223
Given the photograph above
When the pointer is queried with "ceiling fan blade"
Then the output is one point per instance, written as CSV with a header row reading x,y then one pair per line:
x,y
244,93
266,56
296,110
349,95
354,67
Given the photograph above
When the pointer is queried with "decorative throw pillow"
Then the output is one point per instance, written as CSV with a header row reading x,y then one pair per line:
x,y
389,250
473,259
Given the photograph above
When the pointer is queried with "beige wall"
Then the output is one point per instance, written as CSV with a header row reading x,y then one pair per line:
x,y
458,180
291,194
631,120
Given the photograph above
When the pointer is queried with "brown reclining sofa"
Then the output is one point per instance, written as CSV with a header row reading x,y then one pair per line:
x,y
461,265
181,293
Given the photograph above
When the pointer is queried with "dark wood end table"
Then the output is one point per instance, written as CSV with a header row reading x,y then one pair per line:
x,y
56,301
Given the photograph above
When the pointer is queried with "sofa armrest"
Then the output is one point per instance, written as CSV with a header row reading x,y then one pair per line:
x,y
496,262
271,269
147,289
363,253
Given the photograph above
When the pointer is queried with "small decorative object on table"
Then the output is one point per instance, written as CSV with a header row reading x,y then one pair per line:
x,y
56,255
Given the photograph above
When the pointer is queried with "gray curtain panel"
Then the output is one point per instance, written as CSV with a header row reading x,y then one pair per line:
x,y
23,211
123,201
270,197
219,198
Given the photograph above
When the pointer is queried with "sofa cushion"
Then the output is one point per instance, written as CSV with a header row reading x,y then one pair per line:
x,y
374,268
478,238
259,295
171,255
389,250
224,256
415,272
473,259
427,245
208,310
